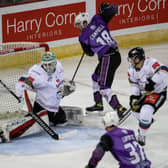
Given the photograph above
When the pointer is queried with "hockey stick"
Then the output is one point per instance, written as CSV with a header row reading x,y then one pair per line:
x,y
46,128
78,67
128,112
9,90
70,86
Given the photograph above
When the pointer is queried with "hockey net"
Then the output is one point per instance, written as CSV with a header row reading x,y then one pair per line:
x,y
15,59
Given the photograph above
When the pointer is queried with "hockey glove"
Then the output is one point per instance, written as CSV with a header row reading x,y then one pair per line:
x,y
133,103
102,6
69,87
89,166
149,87
108,11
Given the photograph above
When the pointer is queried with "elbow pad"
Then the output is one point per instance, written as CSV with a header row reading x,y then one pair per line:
x,y
106,143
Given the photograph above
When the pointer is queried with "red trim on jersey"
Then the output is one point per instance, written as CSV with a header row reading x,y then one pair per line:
x,y
28,103
164,70
30,78
28,81
145,128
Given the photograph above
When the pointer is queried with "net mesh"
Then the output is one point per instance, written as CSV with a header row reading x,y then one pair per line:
x,y
15,59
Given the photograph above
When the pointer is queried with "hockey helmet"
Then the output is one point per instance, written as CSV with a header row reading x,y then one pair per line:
x,y
107,9
81,18
110,118
49,62
135,55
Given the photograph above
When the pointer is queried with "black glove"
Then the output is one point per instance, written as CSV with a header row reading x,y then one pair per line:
x,y
108,9
133,103
102,6
149,87
89,166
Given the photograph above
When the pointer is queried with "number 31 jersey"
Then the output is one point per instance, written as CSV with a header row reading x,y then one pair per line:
x,y
127,150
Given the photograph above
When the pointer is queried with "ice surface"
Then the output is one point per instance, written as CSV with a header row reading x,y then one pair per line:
x,y
31,145
40,151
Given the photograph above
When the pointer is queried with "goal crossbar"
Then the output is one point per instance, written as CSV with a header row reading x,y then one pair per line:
x,y
6,48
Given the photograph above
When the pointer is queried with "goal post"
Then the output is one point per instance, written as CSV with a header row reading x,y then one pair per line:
x,y
15,60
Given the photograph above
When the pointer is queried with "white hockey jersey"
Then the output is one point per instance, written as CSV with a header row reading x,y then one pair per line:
x,y
48,88
138,79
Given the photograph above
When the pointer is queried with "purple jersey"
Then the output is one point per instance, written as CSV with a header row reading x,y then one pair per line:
x,y
97,36
126,149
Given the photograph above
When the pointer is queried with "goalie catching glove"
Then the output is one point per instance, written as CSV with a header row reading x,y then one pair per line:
x,y
69,87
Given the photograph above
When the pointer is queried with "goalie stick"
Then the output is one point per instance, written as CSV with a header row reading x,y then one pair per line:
x,y
9,90
46,128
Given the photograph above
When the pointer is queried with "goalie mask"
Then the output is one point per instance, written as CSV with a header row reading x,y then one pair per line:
x,y
81,20
49,62
135,57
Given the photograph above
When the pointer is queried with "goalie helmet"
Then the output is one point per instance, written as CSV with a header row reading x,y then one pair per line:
x,y
135,55
110,118
81,18
49,62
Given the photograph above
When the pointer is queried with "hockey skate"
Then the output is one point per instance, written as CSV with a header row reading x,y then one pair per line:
x,y
96,107
2,137
61,124
141,139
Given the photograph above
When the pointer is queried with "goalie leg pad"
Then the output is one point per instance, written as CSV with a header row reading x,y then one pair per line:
x,y
56,118
22,126
31,95
74,114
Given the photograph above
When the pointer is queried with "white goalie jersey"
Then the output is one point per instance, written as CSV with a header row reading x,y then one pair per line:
x,y
150,69
48,88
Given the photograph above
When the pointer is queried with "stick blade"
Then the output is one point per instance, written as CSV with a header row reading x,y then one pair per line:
x,y
67,134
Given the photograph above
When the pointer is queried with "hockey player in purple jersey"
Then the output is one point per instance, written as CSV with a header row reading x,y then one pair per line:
x,y
121,143
95,38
